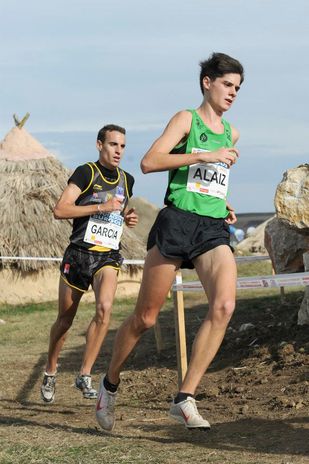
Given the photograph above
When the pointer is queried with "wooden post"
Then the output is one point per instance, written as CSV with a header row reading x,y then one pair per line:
x,y
158,336
180,330
303,313
282,294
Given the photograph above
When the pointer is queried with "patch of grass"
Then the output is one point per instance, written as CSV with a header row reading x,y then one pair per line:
x,y
15,310
113,451
22,321
30,308
248,269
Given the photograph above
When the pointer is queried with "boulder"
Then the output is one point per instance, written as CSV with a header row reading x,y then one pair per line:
x,y
292,197
287,235
285,246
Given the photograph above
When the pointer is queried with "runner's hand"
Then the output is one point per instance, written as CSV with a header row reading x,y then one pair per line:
x,y
131,218
112,205
223,155
231,218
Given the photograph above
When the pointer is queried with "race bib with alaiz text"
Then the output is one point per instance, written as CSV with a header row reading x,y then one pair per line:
x,y
208,178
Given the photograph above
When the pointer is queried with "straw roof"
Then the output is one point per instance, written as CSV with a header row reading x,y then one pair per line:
x,y
19,145
31,181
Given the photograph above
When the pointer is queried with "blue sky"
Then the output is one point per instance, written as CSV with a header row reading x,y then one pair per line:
x,y
76,65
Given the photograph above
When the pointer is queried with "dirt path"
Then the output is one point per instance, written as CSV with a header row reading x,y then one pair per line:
x,y
256,397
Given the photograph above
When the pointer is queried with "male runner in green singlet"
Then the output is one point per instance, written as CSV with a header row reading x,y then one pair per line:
x,y
96,198
197,148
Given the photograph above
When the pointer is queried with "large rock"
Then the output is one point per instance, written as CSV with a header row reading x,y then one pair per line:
x,y
287,235
285,246
292,197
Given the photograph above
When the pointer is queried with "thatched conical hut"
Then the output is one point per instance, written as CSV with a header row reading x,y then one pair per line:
x,y
31,181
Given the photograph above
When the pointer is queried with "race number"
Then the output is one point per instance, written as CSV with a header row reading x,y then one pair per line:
x,y
104,229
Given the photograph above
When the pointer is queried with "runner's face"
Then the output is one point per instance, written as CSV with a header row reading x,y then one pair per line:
x,y
222,92
112,149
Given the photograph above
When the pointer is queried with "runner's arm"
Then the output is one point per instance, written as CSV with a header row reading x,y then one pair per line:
x,y
66,209
158,157
235,135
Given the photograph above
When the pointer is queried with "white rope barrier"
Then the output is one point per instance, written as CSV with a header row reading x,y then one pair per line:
x,y
28,258
126,261
273,281
40,258
298,279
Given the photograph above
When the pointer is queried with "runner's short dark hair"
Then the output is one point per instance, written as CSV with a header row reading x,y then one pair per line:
x,y
219,64
109,128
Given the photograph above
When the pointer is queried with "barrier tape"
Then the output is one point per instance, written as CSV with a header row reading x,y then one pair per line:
x,y
39,258
274,281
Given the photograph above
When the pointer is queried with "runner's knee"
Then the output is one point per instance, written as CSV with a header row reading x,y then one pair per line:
x,y
65,322
145,320
103,311
223,311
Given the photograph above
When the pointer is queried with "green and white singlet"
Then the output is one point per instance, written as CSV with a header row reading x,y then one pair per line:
x,y
201,188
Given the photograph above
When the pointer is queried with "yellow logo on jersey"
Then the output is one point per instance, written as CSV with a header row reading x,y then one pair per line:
x,y
97,187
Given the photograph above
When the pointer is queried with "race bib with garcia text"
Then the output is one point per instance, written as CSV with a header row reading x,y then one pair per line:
x,y
104,229
208,178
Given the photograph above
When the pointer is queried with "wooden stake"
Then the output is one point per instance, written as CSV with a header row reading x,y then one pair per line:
x,y
180,330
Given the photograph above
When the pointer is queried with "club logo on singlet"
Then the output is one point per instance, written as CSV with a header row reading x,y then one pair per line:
x,y
203,137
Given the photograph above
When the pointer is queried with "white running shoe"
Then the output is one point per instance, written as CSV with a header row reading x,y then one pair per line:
x,y
105,409
48,388
83,383
186,412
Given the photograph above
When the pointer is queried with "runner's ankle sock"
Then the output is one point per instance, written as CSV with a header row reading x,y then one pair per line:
x,y
111,387
49,374
182,396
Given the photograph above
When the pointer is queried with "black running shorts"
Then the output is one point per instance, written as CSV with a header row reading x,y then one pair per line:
x,y
79,265
183,235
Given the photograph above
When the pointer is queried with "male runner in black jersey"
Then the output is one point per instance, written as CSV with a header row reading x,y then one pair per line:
x,y
96,198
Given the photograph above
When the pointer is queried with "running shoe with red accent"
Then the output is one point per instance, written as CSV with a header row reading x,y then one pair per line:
x,y
105,408
186,412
